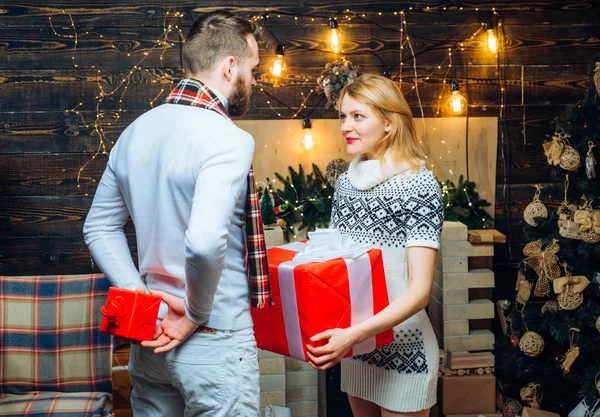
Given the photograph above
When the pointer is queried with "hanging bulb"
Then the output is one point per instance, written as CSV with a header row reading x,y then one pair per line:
x,y
307,138
457,102
335,35
279,63
492,42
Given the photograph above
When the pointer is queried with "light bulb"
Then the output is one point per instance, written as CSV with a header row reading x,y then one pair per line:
x,y
335,35
457,102
279,63
307,138
492,42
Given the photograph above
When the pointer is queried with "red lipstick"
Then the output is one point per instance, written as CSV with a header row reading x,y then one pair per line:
x,y
350,140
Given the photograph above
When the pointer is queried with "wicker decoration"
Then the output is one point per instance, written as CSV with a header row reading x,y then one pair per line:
x,y
588,220
590,161
535,209
570,159
512,408
569,290
572,353
554,149
531,344
550,306
544,263
334,169
530,395
598,323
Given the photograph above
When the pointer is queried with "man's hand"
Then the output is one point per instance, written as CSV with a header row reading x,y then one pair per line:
x,y
174,329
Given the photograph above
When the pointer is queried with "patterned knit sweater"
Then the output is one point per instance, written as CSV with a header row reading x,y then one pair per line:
x,y
402,211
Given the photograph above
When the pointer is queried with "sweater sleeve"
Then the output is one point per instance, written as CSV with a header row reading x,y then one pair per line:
x,y
220,181
104,235
424,217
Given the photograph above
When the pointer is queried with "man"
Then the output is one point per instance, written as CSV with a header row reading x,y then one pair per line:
x,y
181,171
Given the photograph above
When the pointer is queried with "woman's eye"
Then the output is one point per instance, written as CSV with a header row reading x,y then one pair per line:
x,y
358,116
342,117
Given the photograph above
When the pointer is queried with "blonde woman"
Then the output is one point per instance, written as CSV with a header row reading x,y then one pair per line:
x,y
388,199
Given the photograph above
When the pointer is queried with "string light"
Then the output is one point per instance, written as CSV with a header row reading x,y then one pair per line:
x,y
120,90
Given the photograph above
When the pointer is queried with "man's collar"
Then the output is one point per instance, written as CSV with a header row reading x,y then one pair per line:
x,y
220,96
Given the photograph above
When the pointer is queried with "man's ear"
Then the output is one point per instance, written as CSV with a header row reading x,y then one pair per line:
x,y
229,67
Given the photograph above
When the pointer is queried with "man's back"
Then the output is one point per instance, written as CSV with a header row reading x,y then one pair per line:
x,y
165,171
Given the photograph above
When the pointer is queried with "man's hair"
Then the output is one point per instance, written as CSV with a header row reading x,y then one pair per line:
x,y
214,36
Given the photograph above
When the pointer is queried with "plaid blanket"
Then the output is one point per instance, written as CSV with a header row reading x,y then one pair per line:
x,y
49,336
56,404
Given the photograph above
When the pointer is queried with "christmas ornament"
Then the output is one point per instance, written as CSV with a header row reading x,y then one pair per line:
x,y
544,263
511,408
597,77
554,149
566,216
550,306
570,159
569,290
334,169
523,288
572,353
531,344
334,77
598,323
588,220
530,395
535,209
590,162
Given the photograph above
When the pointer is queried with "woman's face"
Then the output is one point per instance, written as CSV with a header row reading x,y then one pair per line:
x,y
362,127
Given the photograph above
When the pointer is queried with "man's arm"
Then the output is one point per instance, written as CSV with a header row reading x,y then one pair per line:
x,y
220,181
104,235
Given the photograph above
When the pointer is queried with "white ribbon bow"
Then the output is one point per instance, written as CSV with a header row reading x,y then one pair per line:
x,y
326,244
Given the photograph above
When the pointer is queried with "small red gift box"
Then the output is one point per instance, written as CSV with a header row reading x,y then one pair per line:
x,y
130,314
311,297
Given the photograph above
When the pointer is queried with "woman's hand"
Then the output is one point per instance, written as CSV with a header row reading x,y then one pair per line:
x,y
339,342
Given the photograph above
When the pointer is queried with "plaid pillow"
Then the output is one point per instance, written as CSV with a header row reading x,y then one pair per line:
x,y
49,334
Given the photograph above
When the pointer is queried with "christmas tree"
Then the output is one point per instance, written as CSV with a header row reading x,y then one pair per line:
x,y
305,199
462,204
550,355
267,212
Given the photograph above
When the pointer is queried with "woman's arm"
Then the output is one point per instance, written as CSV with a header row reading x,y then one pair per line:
x,y
421,270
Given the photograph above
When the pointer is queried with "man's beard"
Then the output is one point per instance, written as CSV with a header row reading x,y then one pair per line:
x,y
240,98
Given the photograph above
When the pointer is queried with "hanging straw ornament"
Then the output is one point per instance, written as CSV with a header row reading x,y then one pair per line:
x,y
598,323
544,263
566,216
530,395
569,159
523,288
535,209
588,220
512,408
334,169
532,344
569,290
572,353
590,161
554,149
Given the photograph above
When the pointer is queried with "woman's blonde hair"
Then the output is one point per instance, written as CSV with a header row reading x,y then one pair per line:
x,y
382,95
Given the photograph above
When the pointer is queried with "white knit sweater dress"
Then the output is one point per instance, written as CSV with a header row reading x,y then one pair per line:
x,y
392,209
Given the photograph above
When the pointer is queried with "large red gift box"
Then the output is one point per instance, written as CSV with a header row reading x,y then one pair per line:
x,y
311,297
130,314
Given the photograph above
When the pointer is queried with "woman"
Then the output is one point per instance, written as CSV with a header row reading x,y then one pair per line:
x,y
388,199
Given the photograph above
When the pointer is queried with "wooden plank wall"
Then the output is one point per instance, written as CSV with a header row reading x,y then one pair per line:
x,y
548,46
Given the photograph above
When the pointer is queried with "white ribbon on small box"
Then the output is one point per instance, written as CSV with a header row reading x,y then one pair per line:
x,y
325,245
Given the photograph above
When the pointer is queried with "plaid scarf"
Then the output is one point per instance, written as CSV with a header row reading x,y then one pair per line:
x,y
194,93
